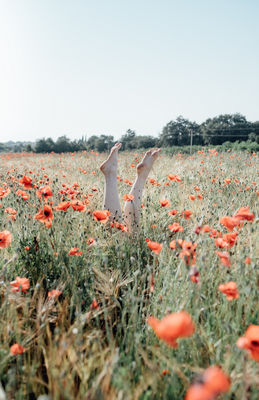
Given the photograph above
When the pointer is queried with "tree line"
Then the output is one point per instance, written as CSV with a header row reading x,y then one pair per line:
x,y
178,132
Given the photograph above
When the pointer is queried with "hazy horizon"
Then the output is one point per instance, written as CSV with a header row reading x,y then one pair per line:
x,y
83,68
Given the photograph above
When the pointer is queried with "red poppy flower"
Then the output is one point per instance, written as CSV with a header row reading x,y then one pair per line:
x,y
5,239
75,252
216,380
229,222
44,191
78,205
63,206
20,284
250,341
16,349
172,245
224,258
230,290
244,214
4,192
187,214
54,294
172,327
213,382
176,227
91,241
10,211
24,195
26,181
45,216
101,216
206,229
164,203
128,197
94,305
174,178
155,247
172,212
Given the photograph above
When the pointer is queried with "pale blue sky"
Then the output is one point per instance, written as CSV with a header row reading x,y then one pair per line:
x,y
79,67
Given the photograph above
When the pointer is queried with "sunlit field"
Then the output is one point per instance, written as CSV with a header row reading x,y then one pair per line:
x,y
81,323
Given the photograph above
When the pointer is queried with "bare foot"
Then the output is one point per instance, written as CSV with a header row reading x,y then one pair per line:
x,y
110,165
146,164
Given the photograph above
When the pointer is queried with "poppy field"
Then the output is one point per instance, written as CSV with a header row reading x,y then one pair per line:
x,y
89,311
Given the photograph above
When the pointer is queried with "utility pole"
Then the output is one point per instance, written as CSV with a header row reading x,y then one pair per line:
x,y
191,142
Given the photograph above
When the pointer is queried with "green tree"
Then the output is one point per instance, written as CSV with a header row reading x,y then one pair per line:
x,y
62,145
127,140
179,132
227,127
143,142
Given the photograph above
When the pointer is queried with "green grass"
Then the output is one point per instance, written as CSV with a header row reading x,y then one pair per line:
x,y
76,352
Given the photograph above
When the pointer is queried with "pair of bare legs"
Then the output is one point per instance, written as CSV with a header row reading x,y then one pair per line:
x,y
111,198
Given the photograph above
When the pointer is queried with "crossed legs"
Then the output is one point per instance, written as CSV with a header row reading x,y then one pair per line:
x,y
111,198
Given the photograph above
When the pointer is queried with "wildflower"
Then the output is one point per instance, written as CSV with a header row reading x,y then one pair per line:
x,y
101,216
172,212
45,216
54,294
63,206
212,383
250,341
188,251
10,211
248,260
16,349
244,214
230,238
91,241
230,290
215,233
224,258
174,178
206,229
198,230
22,284
94,305
164,203
229,222
128,197
172,245
154,246
187,214
24,195
5,239
78,205
26,181
165,372
176,227
192,197
4,192
75,252
216,380
44,191
198,391
172,326
221,243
